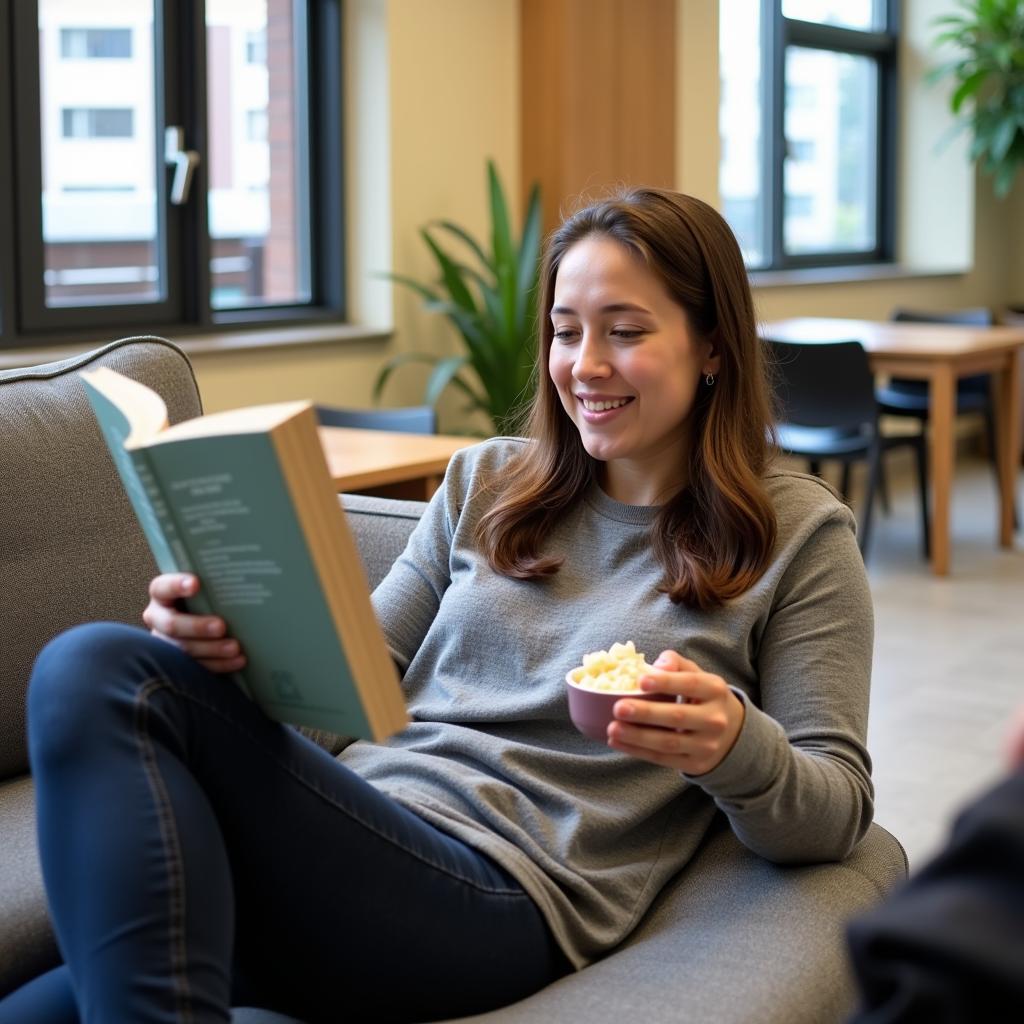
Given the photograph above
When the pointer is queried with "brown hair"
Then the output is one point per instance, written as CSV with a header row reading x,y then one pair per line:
x,y
714,538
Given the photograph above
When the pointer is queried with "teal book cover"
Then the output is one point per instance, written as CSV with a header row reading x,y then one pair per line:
x,y
233,513
116,429
218,504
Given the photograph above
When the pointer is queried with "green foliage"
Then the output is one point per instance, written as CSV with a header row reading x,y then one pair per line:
x,y
989,82
491,302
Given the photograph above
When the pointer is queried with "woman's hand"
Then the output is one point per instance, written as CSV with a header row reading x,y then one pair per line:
x,y
203,636
692,737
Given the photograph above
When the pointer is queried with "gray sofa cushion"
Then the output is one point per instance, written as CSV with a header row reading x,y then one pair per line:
x,y
70,548
27,945
381,528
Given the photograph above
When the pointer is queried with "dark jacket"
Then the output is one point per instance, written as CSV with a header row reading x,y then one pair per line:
x,y
948,946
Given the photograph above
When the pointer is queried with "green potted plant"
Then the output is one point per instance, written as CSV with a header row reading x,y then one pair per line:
x,y
988,75
491,302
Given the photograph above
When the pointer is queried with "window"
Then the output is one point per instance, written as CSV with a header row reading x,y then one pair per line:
x,y
256,126
95,43
171,188
799,207
801,150
98,122
106,187
256,47
807,121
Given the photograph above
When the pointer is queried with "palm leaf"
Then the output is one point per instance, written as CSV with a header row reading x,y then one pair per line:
x,y
474,275
441,376
457,289
1004,174
989,35
475,336
1002,138
968,87
529,256
504,249
466,237
490,306
428,293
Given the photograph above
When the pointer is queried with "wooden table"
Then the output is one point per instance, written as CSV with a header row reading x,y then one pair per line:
x,y
939,354
393,465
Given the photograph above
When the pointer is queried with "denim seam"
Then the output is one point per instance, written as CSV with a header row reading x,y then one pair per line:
x,y
172,850
330,799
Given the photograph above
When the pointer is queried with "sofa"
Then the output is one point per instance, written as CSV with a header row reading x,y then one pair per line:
x,y
734,939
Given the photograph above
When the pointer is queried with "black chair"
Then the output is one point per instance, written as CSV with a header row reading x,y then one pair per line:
x,y
910,399
412,419
827,411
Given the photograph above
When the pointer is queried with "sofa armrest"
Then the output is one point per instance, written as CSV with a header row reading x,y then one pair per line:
x,y
734,940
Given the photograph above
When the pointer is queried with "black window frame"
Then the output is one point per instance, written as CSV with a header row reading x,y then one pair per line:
x,y
180,99
778,34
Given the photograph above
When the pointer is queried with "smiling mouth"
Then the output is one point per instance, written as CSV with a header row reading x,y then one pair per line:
x,y
603,406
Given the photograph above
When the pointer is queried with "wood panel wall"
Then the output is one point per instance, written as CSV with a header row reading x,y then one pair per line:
x,y
598,97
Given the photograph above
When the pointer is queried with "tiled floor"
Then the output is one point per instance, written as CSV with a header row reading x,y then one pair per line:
x,y
949,658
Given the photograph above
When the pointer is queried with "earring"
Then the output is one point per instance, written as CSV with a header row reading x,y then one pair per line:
x,y
709,379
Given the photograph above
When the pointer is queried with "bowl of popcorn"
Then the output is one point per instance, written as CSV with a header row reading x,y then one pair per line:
x,y
604,678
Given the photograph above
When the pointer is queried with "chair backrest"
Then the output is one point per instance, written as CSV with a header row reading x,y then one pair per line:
x,y
823,384
71,549
412,419
978,316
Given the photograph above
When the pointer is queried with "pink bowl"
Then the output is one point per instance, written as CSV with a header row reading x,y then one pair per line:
x,y
591,710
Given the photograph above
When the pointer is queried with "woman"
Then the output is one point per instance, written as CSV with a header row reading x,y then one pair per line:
x,y
196,854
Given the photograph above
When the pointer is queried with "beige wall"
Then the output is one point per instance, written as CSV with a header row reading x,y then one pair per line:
x,y
433,90
697,146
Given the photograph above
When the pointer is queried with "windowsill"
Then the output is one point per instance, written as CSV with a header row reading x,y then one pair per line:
x,y
864,273
198,344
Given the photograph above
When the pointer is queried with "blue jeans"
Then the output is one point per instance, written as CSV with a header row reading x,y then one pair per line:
x,y
198,855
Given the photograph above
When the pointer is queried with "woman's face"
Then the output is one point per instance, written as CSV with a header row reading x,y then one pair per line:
x,y
626,366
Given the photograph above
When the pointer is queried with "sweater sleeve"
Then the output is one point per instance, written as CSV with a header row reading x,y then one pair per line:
x,y
796,785
407,599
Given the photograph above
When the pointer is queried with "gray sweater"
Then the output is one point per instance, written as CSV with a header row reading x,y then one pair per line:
x,y
592,834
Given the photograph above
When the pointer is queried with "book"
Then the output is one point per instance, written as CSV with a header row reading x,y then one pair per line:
x,y
243,500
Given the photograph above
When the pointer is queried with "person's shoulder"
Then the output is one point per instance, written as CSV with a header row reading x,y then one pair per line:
x,y
492,453
790,489
803,502
475,468
815,532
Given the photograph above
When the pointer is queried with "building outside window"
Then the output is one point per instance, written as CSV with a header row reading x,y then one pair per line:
x,y
96,43
807,123
97,122
105,239
256,47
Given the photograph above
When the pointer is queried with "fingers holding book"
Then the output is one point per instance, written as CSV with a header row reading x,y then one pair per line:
x,y
204,637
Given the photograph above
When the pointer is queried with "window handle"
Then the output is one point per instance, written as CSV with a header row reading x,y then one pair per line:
x,y
184,161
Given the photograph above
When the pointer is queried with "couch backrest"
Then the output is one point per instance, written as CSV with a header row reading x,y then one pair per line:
x,y
381,527
70,548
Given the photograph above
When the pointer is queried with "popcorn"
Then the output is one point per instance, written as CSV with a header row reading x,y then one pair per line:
x,y
616,670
